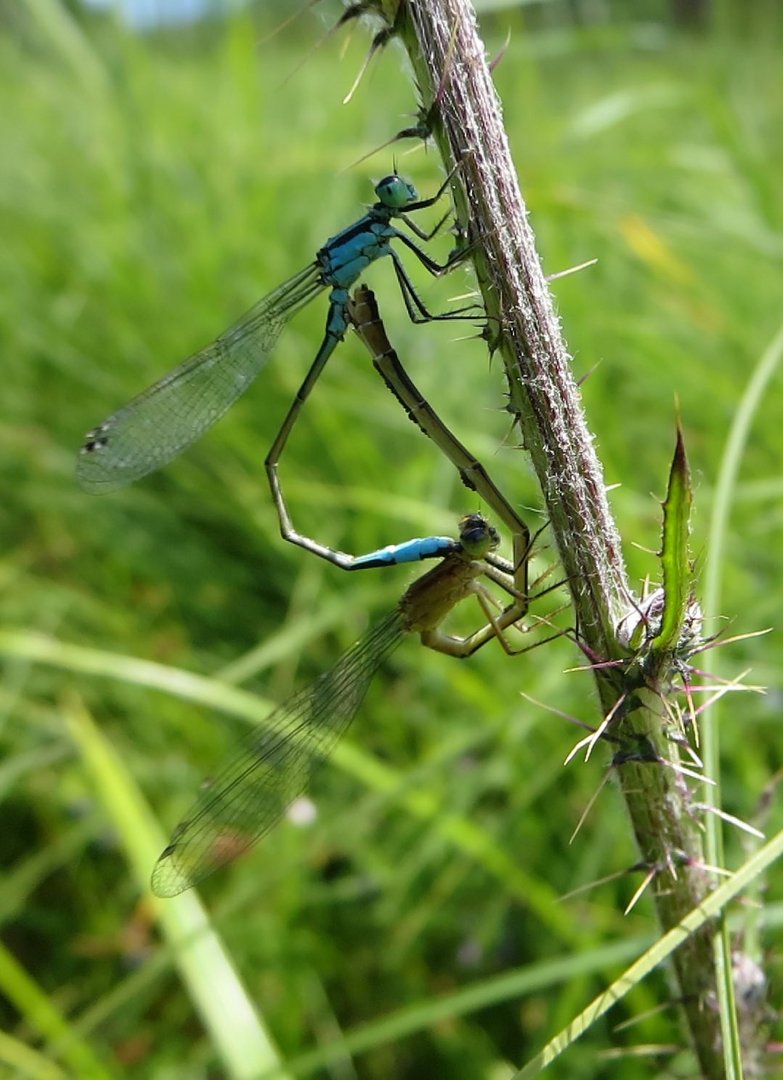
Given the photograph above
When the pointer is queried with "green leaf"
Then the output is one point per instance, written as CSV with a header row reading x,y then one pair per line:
x,y
675,557
216,990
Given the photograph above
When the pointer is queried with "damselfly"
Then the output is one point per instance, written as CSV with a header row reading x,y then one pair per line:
x,y
274,764
162,421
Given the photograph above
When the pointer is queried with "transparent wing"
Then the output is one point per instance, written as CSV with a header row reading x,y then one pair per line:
x,y
272,766
158,424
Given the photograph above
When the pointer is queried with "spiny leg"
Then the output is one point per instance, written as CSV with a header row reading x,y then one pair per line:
x,y
414,305
421,233
495,627
422,204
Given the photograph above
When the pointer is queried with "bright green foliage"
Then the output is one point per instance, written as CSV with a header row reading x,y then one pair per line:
x,y
677,572
151,190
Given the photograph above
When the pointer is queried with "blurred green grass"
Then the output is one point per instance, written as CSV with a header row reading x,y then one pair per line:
x,y
151,190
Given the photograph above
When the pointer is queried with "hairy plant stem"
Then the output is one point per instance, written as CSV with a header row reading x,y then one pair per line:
x,y
451,71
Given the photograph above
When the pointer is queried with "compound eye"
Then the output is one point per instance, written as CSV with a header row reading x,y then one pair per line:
x,y
395,192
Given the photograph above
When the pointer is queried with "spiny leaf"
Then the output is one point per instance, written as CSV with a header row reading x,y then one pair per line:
x,y
675,557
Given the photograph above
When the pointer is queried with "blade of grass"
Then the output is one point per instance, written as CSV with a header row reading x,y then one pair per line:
x,y
206,969
37,1008
28,1062
725,490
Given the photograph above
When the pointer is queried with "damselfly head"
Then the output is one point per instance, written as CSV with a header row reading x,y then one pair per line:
x,y
395,192
477,536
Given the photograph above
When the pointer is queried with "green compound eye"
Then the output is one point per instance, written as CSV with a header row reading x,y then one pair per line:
x,y
395,192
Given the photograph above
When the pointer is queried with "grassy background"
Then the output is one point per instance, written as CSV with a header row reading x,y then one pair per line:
x,y
152,189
